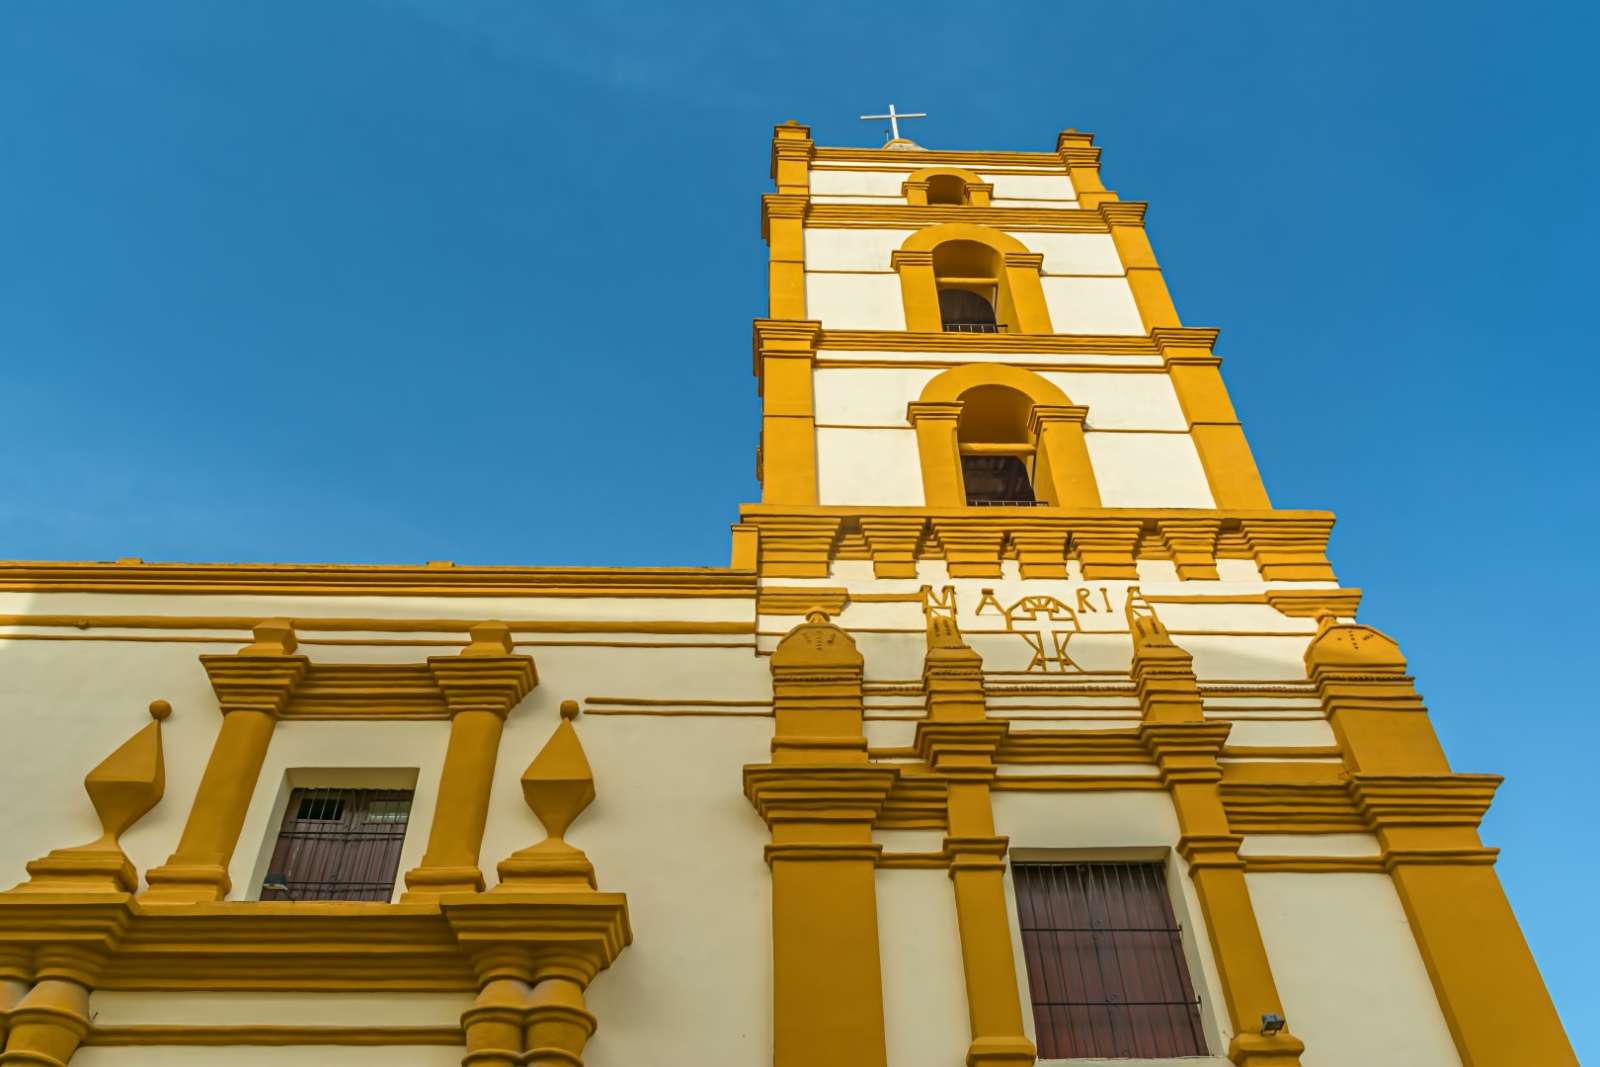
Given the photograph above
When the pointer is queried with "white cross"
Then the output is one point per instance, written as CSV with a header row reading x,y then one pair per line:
x,y
894,118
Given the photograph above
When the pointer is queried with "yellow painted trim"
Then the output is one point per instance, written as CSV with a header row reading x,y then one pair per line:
x,y
364,580
1186,746
148,1034
937,157
827,989
892,216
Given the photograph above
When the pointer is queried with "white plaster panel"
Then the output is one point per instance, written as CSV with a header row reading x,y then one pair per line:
x,y
182,1008
1091,305
924,993
1031,186
850,249
1048,205
858,182
1310,845
1247,658
669,826
1123,401
867,396
1222,616
1135,470
1308,733
855,199
827,355
267,1056
868,467
1075,253
1341,950
1083,820
855,301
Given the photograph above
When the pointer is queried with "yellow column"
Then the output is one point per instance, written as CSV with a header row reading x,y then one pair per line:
x,y
783,220
939,451
1063,473
1218,437
1126,221
919,290
1426,819
958,741
1027,292
1082,160
480,687
253,687
47,1025
785,353
1185,747
819,796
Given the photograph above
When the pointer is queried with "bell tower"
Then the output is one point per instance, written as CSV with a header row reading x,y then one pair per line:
x,y
1004,488
967,334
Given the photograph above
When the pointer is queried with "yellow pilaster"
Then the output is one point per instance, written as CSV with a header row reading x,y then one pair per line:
x,y
1213,424
783,220
919,289
819,796
1082,159
1063,474
1125,218
784,356
1426,819
252,687
47,1025
1185,747
480,687
939,451
958,741
1026,291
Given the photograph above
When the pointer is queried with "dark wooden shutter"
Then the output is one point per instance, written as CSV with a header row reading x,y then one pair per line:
x,y
338,844
1105,962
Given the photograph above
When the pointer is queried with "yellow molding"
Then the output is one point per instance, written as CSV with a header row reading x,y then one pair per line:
x,y
1009,343
335,946
1314,865
891,216
371,580
932,157
801,599
148,1034
303,624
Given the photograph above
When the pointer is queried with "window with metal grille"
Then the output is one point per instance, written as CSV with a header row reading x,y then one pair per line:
x,y
338,844
1105,962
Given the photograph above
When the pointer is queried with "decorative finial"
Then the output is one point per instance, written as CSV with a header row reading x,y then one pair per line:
x,y
817,616
123,788
569,709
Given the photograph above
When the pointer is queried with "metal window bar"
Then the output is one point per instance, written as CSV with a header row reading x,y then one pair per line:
x,y
974,327
977,503
1105,963
338,844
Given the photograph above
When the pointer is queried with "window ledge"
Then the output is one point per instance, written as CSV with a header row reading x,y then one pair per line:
x,y
1171,1061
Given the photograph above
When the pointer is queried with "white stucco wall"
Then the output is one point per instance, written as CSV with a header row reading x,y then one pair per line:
x,y
855,301
1074,253
858,182
924,993
852,250
1347,968
1148,470
1091,305
868,467
1030,186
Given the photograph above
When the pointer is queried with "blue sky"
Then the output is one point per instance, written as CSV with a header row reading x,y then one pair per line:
x,y
431,279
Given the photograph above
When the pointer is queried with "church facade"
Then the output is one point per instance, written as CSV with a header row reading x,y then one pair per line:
x,y
1020,728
